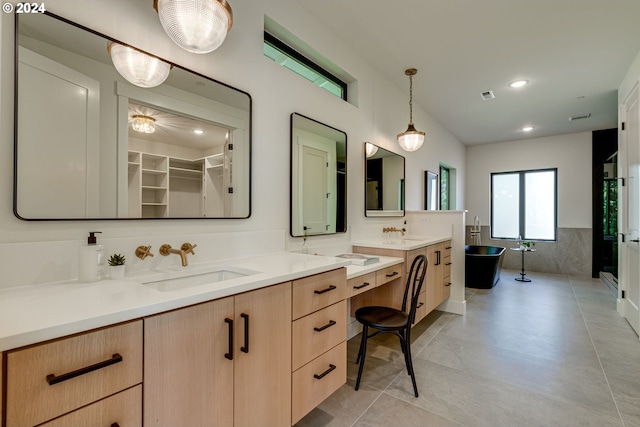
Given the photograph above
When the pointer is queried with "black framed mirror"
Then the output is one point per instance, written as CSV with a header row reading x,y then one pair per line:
x,y
431,194
78,156
384,182
318,178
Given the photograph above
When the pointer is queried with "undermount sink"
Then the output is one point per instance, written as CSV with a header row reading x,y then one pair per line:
x,y
220,274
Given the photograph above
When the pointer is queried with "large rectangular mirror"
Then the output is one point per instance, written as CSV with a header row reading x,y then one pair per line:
x,y
318,178
384,182
80,146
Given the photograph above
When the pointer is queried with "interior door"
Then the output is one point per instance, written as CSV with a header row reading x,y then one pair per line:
x,y
631,250
314,190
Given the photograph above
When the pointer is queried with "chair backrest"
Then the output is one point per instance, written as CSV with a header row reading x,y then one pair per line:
x,y
414,285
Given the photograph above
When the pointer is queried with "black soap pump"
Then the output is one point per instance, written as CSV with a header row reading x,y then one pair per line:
x,y
90,259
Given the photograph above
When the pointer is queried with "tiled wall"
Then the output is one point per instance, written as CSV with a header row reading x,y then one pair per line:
x,y
571,254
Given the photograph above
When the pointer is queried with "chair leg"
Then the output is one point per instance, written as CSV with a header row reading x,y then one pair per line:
x,y
409,362
362,340
362,354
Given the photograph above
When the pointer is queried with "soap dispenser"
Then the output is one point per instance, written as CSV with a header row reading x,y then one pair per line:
x,y
90,260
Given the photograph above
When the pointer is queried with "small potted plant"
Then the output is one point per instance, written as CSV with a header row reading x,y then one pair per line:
x,y
116,266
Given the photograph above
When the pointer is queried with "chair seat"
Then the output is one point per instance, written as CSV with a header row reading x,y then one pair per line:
x,y
382,318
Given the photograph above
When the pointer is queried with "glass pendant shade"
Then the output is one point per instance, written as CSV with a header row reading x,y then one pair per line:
x,y
143,124
138,68
411,139
370,149
198,26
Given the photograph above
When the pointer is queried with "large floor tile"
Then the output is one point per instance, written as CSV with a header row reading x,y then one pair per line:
x,y
389,411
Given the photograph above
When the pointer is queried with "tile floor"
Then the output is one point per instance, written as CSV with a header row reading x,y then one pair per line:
x,y
553,352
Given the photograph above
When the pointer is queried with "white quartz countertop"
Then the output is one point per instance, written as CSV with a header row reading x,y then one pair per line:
x,y
31,314
405,243
360,270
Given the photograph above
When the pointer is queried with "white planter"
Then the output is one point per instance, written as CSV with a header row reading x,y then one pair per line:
x,y
116,271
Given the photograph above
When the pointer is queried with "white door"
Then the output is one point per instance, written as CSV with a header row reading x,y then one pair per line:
x,y
631,221
314,190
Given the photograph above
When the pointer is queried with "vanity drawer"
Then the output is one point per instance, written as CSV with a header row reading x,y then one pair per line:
x,y
446,267
361,284
388,274
318,332
411,255
47,380
321,290
446,249
123,409
422,309
317,380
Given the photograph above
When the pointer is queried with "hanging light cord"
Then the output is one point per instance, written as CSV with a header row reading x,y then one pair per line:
x,y
411,99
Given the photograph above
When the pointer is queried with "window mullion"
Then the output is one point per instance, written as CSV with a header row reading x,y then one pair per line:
x,y
522,217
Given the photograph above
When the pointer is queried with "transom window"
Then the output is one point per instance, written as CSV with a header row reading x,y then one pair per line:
x,y
525,204
289,58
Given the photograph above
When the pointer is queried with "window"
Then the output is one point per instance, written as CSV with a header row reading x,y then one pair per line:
x,y
288,57
525,204
445,185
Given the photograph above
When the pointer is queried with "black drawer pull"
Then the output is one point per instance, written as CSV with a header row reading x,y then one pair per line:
x,y
330,288
447,247
364,285
448,263
448,284
230,354
115,425
322,375
52,379
245,347
395,273
328,325
420,305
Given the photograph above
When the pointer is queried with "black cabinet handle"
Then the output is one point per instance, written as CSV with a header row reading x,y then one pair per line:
x,y
245,348
52,379
437,257
364,285
448,263
328,325
322,375
448,284
420,305
447,247
395,273
330,288
115,425
230,354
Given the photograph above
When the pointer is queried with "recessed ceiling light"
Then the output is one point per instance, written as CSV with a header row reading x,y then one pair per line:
x,y
519,83
527,129
198,131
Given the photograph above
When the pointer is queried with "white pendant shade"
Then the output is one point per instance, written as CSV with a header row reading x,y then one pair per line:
x,y
370,149
198,26
138,68
411,139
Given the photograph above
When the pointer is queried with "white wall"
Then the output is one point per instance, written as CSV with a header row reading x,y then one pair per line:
x,y
571,154
382,112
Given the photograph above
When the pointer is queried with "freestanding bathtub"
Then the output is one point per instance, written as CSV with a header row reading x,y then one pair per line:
x,y
482,266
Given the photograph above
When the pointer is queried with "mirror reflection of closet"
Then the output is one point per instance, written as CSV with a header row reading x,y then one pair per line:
x,y
318,178
384,182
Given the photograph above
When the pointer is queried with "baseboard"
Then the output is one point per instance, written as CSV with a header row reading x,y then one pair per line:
x,y
455,307
610,281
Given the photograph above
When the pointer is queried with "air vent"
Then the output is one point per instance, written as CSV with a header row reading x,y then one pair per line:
x,y
582,116
486,95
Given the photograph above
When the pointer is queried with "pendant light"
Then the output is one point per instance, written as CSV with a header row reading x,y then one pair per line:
x,y
370,149
411,139
198,26
137,67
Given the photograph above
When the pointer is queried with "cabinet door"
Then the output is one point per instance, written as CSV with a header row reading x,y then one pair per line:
x,y
188,381
431,282
262,392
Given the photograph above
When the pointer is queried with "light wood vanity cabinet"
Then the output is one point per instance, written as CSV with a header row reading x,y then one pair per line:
x,y
53,379
436,287
224,362
319,339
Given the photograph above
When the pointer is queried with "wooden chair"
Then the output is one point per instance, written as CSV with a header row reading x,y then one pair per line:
x,y
387,320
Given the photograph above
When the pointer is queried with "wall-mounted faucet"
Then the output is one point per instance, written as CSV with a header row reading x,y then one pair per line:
x,y
186,248
392,229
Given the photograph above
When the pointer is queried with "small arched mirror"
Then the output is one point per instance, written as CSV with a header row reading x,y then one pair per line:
x,y
318,178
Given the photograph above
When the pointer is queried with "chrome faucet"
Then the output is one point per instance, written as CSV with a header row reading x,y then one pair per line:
x,y
392,229
186,248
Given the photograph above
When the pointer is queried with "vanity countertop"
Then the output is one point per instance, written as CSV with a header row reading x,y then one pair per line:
x,y
35,313
405,243
360,270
